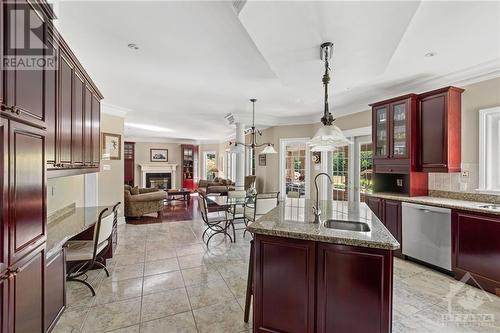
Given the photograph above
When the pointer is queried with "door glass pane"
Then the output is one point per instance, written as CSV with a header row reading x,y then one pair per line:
x,y
366,170
210,166
295,169
399,130
340,173
381,126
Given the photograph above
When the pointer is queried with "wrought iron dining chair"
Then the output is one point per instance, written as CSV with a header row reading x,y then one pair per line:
x,y
88,253
217,222
262,204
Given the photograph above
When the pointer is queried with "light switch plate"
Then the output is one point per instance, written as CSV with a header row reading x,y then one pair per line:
x,y
106,167
463,187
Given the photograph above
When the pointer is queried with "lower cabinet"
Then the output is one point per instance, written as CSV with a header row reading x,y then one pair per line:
x,y
26,293
476,248
285,270
393,222
389,213
55,286
353,283
306,286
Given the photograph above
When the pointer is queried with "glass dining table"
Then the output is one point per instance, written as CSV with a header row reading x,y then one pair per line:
x,y
224,202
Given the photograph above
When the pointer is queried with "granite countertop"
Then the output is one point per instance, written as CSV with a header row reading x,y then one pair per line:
x,y
473,206
69,222
293,218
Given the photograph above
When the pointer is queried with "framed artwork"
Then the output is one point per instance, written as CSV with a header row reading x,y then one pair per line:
x,y
111,146
262,160
158,155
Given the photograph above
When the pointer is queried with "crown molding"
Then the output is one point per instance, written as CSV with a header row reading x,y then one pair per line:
x,y
114,110
172,140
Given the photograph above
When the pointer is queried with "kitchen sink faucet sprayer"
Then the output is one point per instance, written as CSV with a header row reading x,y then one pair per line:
x,y
316,209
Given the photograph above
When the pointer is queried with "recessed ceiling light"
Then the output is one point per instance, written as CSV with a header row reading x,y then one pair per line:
x,y
147,127
430,54
133,46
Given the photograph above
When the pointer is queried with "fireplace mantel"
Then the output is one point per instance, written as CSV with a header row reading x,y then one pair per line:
x,y
158,168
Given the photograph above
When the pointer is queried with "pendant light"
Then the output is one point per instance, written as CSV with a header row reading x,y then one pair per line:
x,y
236,146
329,136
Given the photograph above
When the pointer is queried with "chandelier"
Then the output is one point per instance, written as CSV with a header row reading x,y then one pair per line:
x,y
254,132
329,136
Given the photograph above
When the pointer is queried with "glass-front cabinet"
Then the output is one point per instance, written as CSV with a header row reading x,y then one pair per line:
x,y
399,129
381,131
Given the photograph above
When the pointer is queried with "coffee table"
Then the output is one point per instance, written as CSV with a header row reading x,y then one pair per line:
x,y
178,195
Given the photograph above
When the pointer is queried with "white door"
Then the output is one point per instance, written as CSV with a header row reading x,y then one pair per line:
x,y
294,167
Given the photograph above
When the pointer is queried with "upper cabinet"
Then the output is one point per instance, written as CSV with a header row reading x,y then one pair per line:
x,y
24,87
73,126
392,128
439,117
418,133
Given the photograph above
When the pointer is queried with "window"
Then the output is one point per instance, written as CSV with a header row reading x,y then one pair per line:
x,y
209,165
295,169
230,165
489,150
340,172
365,169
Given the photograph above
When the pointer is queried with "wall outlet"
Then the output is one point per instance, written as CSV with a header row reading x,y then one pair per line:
x,y
399,182
463,187
106,167
465,174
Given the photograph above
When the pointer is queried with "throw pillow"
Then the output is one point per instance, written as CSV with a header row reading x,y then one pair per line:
x,y
134,190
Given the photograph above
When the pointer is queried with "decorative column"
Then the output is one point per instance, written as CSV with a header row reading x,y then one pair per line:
x,y
240,157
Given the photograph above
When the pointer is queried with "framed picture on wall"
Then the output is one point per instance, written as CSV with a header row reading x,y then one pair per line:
x,y
158,155
111,146
262,160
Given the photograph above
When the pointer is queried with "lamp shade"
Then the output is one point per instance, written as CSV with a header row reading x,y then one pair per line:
x,y
269,150
327,138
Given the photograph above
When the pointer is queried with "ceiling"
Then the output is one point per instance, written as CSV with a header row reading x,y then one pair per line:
x,y
199,61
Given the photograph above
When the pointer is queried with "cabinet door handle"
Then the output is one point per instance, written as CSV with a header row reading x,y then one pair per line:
x,y
15,271
8,108
6,276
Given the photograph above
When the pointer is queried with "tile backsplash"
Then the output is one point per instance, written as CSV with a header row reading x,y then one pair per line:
x,y
456,181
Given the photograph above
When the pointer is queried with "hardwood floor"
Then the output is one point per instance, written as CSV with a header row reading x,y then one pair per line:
x,y
173,211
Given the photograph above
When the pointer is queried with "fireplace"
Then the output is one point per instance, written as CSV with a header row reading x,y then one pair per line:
x,y
159,180
160,175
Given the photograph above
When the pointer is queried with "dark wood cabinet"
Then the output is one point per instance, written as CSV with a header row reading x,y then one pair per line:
x,y
306,286
4,194
476,248
52,108
377,206
24,88
353,283
96,131
189,166
87,128
283,265
129,163
27,293
65,113
4,303
393,223
77,121
27,189
439,116
55,284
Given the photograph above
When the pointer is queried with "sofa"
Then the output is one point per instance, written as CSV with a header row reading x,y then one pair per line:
x,y
217,186
141,201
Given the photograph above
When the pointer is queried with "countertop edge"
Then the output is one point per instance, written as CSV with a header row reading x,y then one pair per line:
x,y
324,239
430,202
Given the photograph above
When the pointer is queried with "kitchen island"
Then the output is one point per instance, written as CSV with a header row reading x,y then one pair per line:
x,y
311,278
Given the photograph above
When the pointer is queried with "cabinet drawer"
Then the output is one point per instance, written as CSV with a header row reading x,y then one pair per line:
x,y
391,168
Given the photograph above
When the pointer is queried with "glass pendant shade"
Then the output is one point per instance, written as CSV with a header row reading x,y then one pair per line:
x,y
269,150
327,138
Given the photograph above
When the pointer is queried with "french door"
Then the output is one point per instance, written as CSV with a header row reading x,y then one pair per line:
x,y
294,168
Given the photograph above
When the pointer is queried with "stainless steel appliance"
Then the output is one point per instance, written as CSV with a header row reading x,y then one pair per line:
x,y
427,234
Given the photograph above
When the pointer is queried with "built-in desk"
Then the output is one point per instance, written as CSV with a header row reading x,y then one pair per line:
x,y
69,222
63,225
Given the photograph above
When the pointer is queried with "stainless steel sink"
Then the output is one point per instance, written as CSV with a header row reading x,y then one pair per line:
x,y
491,206
347,225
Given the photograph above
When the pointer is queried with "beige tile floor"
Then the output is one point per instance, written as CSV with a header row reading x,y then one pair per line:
x,y
163,279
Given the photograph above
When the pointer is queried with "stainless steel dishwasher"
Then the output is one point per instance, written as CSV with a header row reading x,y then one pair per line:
x,y
427,234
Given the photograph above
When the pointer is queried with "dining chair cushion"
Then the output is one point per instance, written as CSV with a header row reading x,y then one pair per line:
x,y
83,250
